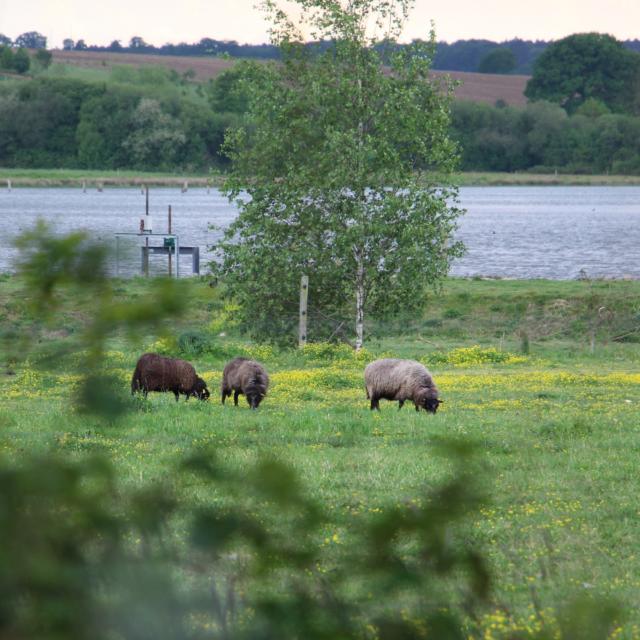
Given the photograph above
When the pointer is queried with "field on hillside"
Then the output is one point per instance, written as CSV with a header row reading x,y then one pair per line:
x,y
477,87
551,415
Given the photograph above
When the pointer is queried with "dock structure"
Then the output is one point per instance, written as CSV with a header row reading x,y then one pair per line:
x,y
194,252
170,247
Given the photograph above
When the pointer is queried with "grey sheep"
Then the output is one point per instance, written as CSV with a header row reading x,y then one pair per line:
x,y
154,372
394,379
244,376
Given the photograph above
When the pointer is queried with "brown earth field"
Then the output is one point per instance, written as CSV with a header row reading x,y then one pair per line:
x,y
477,87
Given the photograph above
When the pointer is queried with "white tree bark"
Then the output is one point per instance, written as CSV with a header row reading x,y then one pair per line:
x,y
359,302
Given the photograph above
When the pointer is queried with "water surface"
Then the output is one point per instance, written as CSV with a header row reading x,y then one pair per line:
x,y
512,232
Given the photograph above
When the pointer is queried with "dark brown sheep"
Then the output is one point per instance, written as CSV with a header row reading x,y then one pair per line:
x,y
401,380
157,373
242,375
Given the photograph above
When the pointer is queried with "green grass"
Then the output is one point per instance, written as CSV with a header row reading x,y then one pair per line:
x,y
120,178
65,177
486,178
557,430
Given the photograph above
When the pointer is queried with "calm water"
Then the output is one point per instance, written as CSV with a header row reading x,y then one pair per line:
x,y
513,232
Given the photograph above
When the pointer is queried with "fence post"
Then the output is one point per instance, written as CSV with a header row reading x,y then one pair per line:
x,y
174,242
304,294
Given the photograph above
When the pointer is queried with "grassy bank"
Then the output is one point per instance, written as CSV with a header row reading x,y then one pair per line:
x,y
93,179
530,372
532,179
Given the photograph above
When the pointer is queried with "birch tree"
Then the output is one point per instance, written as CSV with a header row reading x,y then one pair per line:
x,y
342,170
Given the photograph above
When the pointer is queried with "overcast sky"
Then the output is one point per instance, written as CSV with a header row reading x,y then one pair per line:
x,y
161,21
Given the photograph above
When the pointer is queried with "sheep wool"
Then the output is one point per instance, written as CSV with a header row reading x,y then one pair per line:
x,y
401,380
244,376
154,372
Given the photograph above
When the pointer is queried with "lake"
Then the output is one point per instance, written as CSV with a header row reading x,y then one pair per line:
x,y
510,232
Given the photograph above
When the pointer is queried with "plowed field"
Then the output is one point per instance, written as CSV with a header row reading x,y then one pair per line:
x,y
478,87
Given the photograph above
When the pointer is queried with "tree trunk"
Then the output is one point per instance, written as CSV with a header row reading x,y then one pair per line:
x,y
359,303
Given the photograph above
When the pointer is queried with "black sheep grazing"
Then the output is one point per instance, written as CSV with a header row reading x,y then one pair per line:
x,y
157,373
242,375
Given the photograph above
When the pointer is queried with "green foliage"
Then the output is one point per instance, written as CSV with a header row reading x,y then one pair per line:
x,y
6,58
70,568
228,92
592,108
21,61
543,138
587,65
155,139
31,40
43,58
138,119
193,343
466,356
39,119
54,268
499,60
334,160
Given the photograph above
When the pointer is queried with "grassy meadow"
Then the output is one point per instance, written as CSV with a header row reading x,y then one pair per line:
x,y
530,374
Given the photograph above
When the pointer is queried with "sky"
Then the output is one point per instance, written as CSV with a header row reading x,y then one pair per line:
x,y
162,21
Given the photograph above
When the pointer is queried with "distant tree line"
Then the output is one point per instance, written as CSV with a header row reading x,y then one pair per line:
x,y
149,119
145,119
485,56
584,116
543,138
19,61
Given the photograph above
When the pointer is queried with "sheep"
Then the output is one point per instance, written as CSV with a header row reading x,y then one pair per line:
x,y
394,379
157,373
242,375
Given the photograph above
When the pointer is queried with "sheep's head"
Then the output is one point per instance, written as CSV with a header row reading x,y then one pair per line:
x,y
431,404
200,389
428,399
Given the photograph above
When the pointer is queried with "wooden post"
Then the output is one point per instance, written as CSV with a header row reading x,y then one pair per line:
x,y
146,240
170,245
9,185
304,294
195,260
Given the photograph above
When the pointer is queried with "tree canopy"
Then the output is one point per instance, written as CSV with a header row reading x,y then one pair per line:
x,y
587,65
339,164
31,40
499,60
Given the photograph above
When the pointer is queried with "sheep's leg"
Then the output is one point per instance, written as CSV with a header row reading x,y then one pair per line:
x,y
375,403
225,393
236,395
177,395
417,407
400,404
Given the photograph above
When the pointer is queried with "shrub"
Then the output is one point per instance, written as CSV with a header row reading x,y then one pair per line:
x,y
464,356
193,343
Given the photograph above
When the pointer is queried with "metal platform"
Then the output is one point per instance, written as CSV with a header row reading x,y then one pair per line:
x,y
171,247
